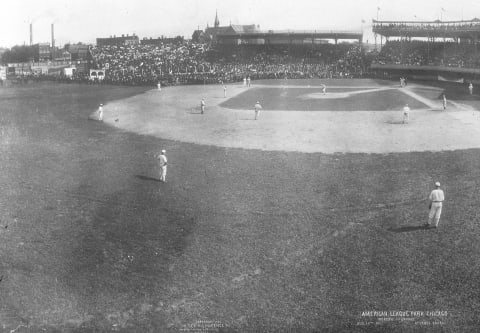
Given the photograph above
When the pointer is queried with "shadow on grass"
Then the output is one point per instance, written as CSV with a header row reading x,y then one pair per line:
x,y
394,122
408,228
147,178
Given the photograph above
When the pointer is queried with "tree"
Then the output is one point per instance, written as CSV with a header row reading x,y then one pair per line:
x,y
18,53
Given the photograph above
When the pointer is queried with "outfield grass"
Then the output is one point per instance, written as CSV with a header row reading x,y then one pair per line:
x,y
252,240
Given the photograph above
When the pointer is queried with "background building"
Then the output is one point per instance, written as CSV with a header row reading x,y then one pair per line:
x,y
119,41
41,52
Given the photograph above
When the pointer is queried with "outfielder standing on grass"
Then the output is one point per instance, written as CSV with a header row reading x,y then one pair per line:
x,y
163,166
257,107
406,111
202,105
444,102
435,207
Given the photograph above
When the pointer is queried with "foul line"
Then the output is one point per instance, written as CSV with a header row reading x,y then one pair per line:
x,y
419,98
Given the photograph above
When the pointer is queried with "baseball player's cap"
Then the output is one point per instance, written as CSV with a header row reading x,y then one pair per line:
x,y
164,151
437,184
258,102
101,104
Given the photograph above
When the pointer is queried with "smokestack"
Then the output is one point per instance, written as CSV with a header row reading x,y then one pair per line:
x,y
53,36
31,34
53,42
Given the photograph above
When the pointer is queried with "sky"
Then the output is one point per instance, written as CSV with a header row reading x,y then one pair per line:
x,y
85,20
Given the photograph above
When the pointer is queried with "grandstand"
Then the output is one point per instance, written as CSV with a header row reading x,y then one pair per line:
x,y
446,50
428,49
185,62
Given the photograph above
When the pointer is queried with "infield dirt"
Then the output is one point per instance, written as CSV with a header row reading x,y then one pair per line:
x,y
344,124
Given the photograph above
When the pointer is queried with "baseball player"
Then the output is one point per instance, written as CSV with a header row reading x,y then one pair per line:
x,y
435,207
162,158
100,112
257,107
224,91
406,111
244,81
248,81
324,89
202,105
470,88
444,102
159,86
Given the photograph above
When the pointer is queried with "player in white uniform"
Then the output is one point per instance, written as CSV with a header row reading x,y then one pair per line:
x,y
406,112
202,105
224,91
470,88
100,112
163,166
248,81
324,89
257,107
159,86
436,199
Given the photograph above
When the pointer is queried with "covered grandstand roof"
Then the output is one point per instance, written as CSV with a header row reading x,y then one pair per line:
x,y
474,20
325,34
438,29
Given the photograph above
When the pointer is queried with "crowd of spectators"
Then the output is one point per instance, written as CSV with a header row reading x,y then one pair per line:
x,y
423,53
185,62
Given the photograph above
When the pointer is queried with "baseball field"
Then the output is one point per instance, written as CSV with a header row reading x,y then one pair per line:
x,y
309,219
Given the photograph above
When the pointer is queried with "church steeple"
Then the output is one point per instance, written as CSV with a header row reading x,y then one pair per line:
x,y
217,22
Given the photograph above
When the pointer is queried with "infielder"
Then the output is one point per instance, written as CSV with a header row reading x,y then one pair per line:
x,y
470,88
100,112
159,86
224,91
324,89
248,81
163,165
202,105
444,102
436,199
257,107
406,111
